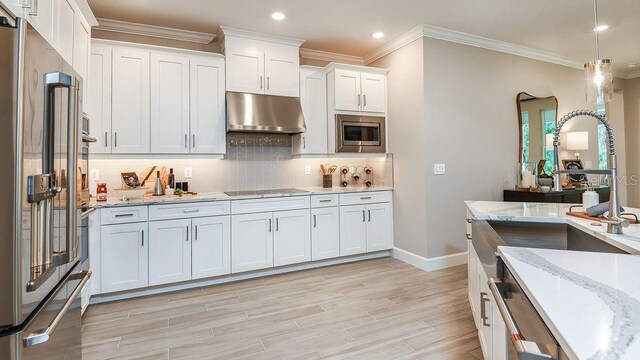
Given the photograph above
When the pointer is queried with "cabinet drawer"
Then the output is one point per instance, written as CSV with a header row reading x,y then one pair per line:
x,y
123,215
262,205
319,201
365,198
181,211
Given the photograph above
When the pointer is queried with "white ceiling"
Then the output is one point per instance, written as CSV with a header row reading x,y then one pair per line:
x,y
563,27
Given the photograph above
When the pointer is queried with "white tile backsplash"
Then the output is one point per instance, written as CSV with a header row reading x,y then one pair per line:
x,y
253,161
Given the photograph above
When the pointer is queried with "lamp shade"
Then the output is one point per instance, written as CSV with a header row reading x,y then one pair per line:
x,y
578,140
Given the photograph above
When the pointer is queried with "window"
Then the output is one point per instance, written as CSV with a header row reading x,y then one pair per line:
x,y
525,137
549,125
602,141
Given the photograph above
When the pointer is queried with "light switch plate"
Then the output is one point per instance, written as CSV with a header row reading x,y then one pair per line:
x,y
307,169
188,172
439,169
94,174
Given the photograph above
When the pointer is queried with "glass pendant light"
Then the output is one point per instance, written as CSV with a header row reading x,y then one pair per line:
x,y
598,74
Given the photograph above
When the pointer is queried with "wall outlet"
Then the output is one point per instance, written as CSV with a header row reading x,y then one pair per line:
x,y
188,172
439,169
307,169
94,174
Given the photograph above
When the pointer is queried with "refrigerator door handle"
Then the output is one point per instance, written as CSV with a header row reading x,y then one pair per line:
x,y
62,80
43,335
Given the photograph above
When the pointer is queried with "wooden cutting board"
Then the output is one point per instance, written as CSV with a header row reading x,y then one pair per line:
x,y
584,215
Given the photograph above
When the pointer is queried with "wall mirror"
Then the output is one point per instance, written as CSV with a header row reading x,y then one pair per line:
x,y
537,118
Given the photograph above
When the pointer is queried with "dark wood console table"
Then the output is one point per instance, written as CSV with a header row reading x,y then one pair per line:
x,y
564,196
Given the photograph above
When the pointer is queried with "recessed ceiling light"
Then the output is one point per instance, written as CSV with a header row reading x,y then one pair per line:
x,y
602,27
278,16
377,35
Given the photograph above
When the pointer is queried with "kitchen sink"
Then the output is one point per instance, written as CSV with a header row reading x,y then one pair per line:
x,y
488,235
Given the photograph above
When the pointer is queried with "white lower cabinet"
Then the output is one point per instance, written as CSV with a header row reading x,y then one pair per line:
x,y
251,242
211,247
325,233
292,237
169,251
124,257
365,228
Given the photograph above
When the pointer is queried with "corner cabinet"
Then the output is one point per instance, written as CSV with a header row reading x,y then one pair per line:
x,y
261,64
151,100
313,99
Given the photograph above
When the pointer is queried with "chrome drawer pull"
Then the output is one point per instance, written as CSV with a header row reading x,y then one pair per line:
x,y
365,198
124,215
483,310
191,211
325,201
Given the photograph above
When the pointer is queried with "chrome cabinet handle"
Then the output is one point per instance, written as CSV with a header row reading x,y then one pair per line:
x,y
529,349
191,211
187,233
268,82
483,310
304,142
364,97
269,225
314,221
196,232
115,139
369,211
123,215
142,238
363,216
260,81
186,141
358,99
105,139
43,335
193,142
277,226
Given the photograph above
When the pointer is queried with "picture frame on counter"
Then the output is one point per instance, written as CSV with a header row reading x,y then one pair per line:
x,y
575,164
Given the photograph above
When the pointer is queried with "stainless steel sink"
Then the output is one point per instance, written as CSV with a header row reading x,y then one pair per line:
x,y
488,235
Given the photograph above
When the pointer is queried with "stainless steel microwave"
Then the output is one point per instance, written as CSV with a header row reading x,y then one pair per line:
x,y
360,134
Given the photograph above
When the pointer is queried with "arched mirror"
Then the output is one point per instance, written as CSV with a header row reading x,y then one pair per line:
x,y
537,118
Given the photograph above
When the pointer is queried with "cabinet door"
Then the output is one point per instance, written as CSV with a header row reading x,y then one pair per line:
x,y
282,70
82,43
169,104
208,122
347,91
251,242
99,100
14,7
499,335
353,235
245,67
325,233
292,237
130,101
313,99
472,276
169,251
379,227
484,306
41,15
211,247
64,28
374,92
124,257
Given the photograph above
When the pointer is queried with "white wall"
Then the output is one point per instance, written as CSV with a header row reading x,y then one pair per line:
x,y
631,91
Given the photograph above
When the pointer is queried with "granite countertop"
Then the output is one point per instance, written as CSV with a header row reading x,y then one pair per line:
x,y
589,301
220,196
555,213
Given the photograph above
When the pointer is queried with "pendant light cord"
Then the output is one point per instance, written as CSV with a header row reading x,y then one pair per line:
x,y
595,27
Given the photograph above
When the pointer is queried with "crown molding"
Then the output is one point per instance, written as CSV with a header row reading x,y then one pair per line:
x,y
435,32
87,13
334,65
330,56
154,31
227,31
632,75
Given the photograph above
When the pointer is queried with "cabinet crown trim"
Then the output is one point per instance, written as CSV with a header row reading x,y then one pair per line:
x,y
227,31
331,57
154,31
333,66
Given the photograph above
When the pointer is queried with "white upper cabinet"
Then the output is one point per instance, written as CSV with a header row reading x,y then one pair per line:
x,y
41,14
313,99
99,100
261,64
208,130
169,104
65,23
130,100
347,90
282,70
81,52
357,88
292,237
14,7
374,92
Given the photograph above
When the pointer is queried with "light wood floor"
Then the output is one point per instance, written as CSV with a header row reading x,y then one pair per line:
x,y
376,309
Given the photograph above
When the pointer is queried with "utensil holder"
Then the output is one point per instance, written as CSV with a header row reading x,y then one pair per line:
x,y
327,181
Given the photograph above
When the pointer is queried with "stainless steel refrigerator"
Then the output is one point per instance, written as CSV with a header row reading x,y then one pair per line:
x,y
41,198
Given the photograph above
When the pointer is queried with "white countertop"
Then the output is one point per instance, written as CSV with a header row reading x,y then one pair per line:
x,y
589,301
555,213
219,196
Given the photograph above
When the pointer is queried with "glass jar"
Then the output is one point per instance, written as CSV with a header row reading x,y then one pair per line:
x,y
101,192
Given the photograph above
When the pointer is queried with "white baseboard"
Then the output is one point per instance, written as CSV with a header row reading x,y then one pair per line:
x,y
101,298
431,264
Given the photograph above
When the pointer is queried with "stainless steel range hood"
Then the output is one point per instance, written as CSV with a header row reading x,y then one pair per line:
x,y
264,114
